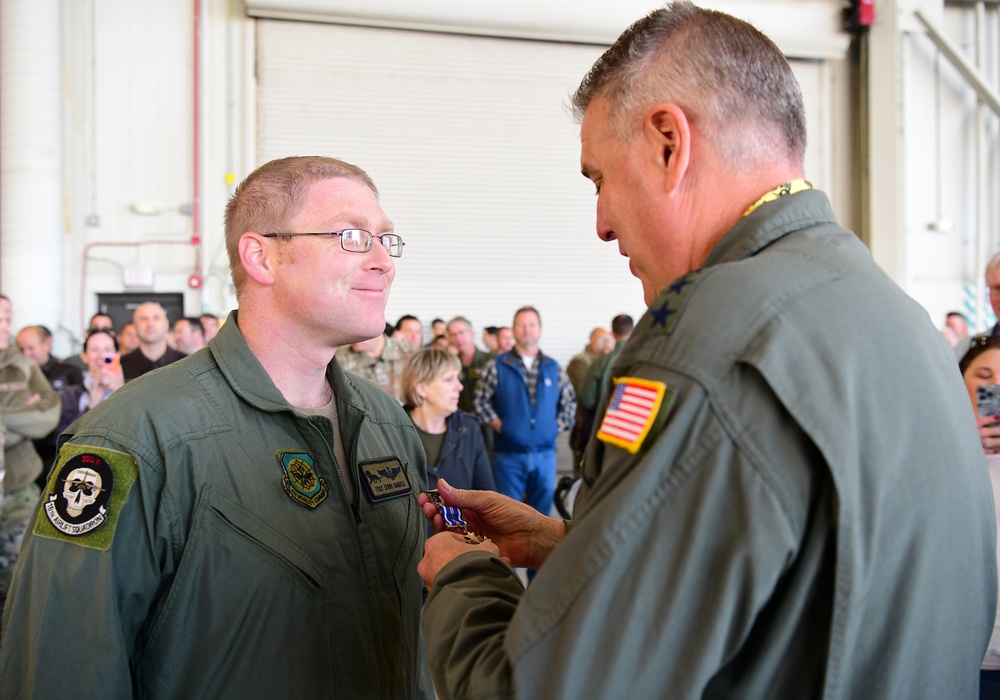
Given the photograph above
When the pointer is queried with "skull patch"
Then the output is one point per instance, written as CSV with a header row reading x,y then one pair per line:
x,y
78,502
81,489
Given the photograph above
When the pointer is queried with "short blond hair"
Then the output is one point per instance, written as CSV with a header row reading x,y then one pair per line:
x,y
425,365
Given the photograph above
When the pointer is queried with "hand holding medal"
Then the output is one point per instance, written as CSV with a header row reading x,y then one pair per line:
x,y
453,519
520,534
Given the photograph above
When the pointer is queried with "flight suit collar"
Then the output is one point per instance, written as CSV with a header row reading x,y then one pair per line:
x,y
769,222
244,373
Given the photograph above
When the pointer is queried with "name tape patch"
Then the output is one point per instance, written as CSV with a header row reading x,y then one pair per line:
x,y
385,478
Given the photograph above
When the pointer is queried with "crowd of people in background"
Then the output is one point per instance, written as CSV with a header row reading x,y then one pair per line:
x,y
59,391
754,519
458,436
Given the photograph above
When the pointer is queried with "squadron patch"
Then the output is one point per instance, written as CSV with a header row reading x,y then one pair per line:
x,y
385,478
85,495
633,411
301,482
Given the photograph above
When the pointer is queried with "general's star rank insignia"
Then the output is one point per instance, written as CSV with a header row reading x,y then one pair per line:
x,y
301,481
632,412
665,310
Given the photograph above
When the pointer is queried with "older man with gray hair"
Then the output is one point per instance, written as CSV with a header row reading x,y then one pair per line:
x,y
774,503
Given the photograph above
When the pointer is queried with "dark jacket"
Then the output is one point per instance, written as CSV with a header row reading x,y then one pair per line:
x,y
463,462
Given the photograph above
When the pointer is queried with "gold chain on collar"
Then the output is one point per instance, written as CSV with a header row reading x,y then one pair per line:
x,y
781,191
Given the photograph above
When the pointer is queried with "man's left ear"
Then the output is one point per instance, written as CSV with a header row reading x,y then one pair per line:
x,y
669,130
255,258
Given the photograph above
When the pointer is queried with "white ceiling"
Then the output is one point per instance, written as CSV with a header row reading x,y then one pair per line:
x,y
802,28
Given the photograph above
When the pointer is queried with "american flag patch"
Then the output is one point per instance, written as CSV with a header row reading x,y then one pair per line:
x,y
631,412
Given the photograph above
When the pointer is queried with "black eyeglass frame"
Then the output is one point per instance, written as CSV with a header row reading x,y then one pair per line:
x,y
389,241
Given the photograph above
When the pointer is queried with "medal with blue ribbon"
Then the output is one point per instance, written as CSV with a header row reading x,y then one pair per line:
x,y
453,517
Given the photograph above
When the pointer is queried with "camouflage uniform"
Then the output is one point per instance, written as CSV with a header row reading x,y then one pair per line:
x,y
386,370
20,379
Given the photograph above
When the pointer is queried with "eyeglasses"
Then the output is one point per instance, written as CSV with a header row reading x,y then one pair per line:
x,y
355,240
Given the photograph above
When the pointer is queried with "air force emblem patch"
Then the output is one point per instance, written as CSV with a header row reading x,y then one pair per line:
x,y
301,482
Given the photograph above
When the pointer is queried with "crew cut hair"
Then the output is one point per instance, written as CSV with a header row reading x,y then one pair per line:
x,y
268,199
732,82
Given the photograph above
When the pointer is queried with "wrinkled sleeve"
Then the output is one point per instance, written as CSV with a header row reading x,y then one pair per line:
x,y
40,418
673,553
74,612
468,660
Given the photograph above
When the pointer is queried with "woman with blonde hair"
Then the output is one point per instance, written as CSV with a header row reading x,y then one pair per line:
x,y
452,439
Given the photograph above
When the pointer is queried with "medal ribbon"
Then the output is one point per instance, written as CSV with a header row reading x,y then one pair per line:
x,y
452,516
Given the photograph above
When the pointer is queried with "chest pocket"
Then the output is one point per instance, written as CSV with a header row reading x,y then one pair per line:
x,y
245,599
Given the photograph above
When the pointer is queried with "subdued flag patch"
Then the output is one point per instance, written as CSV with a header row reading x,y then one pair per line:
x,y
631,412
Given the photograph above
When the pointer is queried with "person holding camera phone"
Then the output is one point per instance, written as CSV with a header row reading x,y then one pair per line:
x,y
104,369
980,367
102,377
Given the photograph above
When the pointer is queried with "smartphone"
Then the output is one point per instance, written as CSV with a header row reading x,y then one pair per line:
x,y
113,361
988,399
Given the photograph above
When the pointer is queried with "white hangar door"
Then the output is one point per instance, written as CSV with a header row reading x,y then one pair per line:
x,y
477,160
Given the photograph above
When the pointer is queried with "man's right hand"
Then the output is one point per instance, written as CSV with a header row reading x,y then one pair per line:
x,y
524,536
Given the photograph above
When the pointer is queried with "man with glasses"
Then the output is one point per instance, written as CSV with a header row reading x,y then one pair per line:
x,y
244,522
460,335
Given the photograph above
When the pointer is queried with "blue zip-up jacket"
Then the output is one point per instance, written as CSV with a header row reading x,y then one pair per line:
x,y
526,428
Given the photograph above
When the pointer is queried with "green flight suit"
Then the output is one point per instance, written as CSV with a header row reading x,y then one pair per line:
x,y
808,516
233,566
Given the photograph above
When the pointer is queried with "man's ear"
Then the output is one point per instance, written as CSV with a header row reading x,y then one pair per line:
x,y
669,131
257,258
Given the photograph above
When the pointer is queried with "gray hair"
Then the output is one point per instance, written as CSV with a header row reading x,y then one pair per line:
x,y
732,82
992,264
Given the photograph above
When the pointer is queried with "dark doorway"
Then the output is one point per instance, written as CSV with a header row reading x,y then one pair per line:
x,y
120,307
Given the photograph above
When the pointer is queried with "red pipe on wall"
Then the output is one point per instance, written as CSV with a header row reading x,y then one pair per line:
x,y
195,280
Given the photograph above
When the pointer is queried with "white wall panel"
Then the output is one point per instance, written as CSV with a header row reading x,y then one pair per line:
x,y
940,202
477,160
802,28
